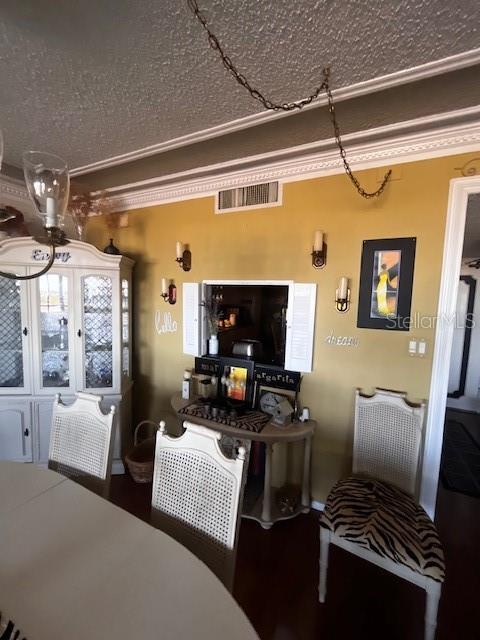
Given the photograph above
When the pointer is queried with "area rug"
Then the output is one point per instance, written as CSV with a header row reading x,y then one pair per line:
x,y
460,467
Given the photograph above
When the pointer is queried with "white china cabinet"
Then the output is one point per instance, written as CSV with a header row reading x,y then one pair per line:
x,y
67,331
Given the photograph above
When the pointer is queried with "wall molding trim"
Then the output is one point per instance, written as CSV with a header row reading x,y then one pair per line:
x,y
387,81
440,135
12,189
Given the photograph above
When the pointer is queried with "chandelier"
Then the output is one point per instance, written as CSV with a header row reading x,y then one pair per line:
x,y
270,105
48,185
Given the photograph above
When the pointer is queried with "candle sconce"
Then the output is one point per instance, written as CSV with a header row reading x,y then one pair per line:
x,y
184,256
319,251
342,296
169,293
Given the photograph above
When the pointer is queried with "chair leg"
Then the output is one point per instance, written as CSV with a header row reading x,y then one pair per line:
x,y
433,590
324,543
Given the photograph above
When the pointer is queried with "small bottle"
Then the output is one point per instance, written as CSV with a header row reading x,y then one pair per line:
x,y
187,385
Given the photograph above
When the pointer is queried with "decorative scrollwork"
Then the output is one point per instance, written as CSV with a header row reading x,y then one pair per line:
x,y
470,168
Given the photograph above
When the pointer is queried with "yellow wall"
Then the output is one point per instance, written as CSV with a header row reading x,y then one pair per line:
x,y
275,243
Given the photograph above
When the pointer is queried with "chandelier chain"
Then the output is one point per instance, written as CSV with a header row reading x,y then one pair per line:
x,y
289,106
37,274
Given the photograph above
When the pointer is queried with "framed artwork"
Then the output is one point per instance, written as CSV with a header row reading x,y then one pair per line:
x,y
386,279
236,379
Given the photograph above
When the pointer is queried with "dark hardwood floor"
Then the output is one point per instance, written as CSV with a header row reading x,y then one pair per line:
x,y
277,575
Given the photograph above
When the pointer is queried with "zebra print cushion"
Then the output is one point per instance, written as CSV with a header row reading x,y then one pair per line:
x,y
387,521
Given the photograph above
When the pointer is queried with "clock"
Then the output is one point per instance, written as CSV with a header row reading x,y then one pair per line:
x,y
269,402
278,406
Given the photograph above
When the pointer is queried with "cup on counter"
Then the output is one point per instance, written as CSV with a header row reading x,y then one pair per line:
x,y
305,415
205,388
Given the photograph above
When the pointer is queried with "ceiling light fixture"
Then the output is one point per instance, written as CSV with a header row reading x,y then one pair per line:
x,y
289,106
48,184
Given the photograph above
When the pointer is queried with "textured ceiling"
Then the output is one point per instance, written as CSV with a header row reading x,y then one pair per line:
x,y
91,79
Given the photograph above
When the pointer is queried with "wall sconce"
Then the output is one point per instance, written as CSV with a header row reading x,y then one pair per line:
x,y
184,256
169,292
342,295
319,251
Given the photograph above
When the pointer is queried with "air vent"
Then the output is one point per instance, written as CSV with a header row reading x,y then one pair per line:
x,y
255,196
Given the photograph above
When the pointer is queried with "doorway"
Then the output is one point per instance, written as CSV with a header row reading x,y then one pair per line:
x,y
461,189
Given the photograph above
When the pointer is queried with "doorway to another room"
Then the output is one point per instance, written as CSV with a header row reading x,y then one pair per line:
x,y
454,401
460,463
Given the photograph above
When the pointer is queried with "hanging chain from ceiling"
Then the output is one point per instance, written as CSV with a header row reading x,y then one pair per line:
x,y
289,106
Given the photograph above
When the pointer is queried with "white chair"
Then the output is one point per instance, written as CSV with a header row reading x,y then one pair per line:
x,y
81,442
197,494
373,514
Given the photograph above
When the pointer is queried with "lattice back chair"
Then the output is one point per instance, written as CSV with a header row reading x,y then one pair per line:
x,y
81,442
388,438
197,495
374,514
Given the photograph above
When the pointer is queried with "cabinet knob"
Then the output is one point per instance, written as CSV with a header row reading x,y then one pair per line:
x,y
79,333
25,331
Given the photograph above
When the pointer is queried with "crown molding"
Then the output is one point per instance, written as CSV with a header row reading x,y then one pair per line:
x,y
14,193
379,147
13,189
388,81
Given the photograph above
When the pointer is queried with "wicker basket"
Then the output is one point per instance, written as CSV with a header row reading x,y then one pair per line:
x,y
140,459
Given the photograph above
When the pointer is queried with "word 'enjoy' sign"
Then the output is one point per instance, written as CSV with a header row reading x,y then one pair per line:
x,y
167,326
40,255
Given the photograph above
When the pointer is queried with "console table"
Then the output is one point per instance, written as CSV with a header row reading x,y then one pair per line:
x,y
265,511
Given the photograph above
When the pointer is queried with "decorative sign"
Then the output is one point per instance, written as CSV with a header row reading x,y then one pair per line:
x,y
40,255
273,377
262,375
165,324
207,366
341,341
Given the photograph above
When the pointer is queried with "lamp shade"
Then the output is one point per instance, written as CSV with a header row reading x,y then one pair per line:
x,y
48,184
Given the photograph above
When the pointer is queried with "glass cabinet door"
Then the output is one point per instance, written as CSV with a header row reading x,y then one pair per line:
x,y
97,300
55,318
14,335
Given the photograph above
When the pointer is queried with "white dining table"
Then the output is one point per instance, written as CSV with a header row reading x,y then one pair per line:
x,y
74,566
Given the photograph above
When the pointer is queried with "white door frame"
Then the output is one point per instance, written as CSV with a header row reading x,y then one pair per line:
x,y
460,189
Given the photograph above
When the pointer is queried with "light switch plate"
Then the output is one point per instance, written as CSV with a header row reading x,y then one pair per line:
x,y
417,347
